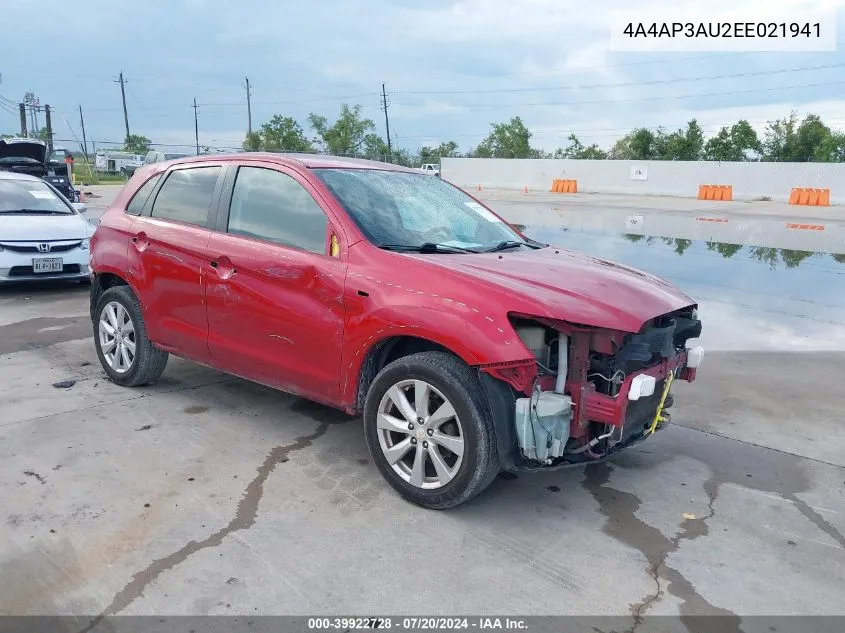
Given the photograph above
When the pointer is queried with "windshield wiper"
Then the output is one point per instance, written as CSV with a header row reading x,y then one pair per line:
x,y
38,211
427,247
513,243
505,245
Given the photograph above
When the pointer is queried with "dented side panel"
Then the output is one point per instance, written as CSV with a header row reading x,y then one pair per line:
x,y
275,315
385,298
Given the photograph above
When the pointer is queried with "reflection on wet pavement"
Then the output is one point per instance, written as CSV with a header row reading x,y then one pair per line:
x,y
750,297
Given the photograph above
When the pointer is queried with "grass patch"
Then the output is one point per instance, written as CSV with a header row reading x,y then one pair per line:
x,y
84,174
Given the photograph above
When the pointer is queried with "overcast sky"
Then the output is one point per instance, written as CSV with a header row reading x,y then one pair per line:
x,y
452,67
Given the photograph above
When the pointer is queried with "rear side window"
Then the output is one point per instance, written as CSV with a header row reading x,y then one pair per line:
x,y
186,195
136,204
272,206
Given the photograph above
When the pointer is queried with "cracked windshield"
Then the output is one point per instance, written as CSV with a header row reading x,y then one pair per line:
x,y
540,306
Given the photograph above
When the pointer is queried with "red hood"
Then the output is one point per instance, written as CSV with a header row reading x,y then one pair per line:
x,y
565,285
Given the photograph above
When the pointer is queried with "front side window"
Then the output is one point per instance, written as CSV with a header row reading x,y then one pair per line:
x,y
186,195
269,205
136,204
401,208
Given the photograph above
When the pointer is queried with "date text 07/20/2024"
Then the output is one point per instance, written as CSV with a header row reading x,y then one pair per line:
x,y
416,623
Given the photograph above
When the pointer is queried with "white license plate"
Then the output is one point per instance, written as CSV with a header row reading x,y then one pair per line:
x,y
47,265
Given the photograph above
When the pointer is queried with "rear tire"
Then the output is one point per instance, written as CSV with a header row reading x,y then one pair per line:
x,y
125,351
438,454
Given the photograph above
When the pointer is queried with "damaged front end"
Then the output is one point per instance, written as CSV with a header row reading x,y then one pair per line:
x,y
589,392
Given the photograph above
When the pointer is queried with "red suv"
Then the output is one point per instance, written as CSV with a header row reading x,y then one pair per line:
x,y
468,348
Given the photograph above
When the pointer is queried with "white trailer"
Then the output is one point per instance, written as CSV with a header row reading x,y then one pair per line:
x,y
116,162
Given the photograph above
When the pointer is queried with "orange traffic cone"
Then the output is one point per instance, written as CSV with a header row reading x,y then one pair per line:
x,y
525,190
478,188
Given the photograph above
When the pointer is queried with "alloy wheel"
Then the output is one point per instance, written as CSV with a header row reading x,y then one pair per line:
x,y
117,337
423,442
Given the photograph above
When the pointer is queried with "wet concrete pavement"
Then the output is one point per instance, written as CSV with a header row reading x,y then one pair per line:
x,y
209,494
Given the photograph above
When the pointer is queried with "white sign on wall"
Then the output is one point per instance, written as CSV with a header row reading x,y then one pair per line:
x,y
639,172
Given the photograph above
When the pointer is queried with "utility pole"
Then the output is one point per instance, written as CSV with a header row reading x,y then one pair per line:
x,y
32,102
49,123
386,122
122,83
196,127
248,106
84,140
22,108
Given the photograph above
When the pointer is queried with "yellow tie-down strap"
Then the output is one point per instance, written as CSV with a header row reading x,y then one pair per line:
x,y
658,416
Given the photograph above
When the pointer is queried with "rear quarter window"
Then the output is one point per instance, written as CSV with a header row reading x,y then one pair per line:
x,y
136,204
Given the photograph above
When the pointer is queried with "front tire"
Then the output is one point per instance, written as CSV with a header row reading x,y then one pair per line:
x,y
428,430
127,355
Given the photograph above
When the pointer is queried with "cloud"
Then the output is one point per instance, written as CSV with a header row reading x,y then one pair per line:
x,y
441,61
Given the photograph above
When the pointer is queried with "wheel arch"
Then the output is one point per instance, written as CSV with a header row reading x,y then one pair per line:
x,y
102,282
385,351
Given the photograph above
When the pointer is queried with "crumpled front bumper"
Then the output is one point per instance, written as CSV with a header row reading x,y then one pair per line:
x,y
598,407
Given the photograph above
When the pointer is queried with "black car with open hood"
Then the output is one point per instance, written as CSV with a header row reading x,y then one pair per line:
x,y
30,156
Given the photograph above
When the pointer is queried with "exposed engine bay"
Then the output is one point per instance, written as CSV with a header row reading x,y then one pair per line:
x,y
598,391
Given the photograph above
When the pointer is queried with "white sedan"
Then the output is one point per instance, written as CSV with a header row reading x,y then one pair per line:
x,y
42,235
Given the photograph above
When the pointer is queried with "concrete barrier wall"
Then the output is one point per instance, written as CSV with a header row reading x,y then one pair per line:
x,y
661,178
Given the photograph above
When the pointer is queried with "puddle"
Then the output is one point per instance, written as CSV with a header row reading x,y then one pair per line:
x,y
750,297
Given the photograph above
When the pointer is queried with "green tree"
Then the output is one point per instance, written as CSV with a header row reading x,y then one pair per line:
x,y
253,142
349,135
839,257
832,149
737,143
781,139
282,134
621,149
682,144
644,144
403,157
812,135
375,148
507,140
577,150
137,144
434,154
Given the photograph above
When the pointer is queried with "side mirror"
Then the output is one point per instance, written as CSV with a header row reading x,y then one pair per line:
x,y
79,206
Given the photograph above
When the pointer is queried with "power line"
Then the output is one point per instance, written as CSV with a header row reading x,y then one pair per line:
x,y
316,99
623,84
637,99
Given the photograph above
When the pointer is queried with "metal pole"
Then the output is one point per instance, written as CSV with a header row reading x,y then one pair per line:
x,y
196,127
386,122
49,123
248,106
122,82
22,108
84,141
